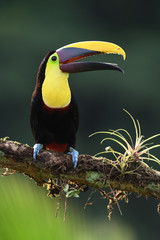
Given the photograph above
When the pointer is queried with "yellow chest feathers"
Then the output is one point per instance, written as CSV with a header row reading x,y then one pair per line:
x,y
55,88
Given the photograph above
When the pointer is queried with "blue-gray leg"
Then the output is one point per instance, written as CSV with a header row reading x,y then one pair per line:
x,y
74,154
37,147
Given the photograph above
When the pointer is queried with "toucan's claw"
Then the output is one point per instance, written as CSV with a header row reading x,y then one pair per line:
x,y
74,154
37,147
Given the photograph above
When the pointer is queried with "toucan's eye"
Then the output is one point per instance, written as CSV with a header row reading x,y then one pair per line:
x,y
54,58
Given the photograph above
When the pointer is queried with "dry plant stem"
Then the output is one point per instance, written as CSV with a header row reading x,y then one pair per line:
x,y
93,172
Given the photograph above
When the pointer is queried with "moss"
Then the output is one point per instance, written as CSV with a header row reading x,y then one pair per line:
x,y
4,139
27,145
27,159
2,157
17,143
153,186
40,174
94,178
2,154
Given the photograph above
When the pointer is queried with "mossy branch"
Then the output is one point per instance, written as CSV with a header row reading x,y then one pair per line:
x,y
92,172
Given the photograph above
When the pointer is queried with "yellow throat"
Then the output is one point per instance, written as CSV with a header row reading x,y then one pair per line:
x,y
55,88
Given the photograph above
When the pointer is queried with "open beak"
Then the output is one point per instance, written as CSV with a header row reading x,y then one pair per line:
x,y
76,51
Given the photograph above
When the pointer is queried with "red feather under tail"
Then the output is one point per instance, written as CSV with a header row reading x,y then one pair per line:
x,y
58,147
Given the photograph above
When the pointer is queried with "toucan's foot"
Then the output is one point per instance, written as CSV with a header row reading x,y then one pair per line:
x,y
74,154
37,147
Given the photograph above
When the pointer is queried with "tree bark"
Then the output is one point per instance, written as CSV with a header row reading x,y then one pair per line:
x,y
90,171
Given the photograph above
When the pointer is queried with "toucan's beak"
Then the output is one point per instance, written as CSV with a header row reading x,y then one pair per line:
x,y
73,52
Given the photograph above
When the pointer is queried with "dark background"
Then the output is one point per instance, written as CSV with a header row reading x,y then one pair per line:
x,y
28,30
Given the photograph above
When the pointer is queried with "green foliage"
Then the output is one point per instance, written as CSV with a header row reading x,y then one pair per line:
x,y
27,213
71,193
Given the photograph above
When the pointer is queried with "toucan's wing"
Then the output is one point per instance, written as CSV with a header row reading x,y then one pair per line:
x,y
74,112
36,103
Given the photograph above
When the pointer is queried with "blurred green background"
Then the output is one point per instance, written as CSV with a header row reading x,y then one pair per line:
x,y
28,30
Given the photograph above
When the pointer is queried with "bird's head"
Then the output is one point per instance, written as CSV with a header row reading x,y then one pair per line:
x,y
56,66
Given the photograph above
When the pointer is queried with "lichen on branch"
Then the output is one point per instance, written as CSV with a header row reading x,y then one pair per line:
x,y
92,172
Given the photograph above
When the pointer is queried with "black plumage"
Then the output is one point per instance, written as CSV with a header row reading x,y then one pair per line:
x,y
54,128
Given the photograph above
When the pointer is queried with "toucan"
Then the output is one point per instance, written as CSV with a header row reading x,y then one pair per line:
x,y
54,113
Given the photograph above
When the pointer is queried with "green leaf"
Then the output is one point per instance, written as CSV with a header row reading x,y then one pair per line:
x,y
66,188
73,193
